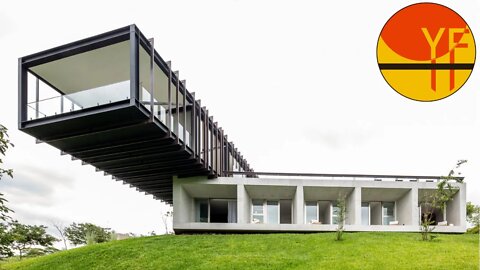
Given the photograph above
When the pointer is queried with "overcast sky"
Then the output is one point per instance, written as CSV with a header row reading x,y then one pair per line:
x,y
295,84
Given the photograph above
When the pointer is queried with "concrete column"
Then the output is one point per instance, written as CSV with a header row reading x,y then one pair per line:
x,y
183,208
405,209
243,205
298,206
415,210
456,208
462,196
354,207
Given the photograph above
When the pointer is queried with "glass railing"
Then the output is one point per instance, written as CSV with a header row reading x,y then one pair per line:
x,y
79,100
159,108
160,111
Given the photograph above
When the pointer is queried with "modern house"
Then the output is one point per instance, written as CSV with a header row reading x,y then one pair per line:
x,y
112,102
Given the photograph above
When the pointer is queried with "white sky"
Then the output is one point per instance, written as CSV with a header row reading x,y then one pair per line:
x,y
295,84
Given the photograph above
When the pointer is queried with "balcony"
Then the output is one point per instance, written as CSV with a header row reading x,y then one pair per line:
x,y
114,103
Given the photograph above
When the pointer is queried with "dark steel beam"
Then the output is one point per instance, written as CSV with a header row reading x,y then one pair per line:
x,y
168,155
155,170
115,147
166,179
161,164
152,77
206,157
22,93
177,73
193,126
100,130
169,114
128,153
134,65
154,173
210,120
184,82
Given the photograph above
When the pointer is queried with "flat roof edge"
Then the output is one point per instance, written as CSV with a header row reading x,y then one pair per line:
x,y
78,46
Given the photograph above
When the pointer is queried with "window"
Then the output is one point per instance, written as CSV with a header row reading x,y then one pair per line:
x,y
311,212
201,210
273,212
335,212
388,212
257,211
365,213
215,211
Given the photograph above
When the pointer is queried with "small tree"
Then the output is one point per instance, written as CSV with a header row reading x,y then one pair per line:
x,y
341,216
61,231
4,145
5,241
5,237
24,237
438,200
473,215
87,233
165,219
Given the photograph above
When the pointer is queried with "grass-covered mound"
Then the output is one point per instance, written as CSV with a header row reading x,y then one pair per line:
x,y
268,251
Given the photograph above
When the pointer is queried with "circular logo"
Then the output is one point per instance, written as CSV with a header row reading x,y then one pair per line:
x,y
426,52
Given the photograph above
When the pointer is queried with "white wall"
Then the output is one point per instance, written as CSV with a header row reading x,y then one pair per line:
x,y
407,205
298,206
404,207
183,205
375,213
453,210
243,205
354,207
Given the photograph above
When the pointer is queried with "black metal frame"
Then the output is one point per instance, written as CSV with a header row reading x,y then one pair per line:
x,y
215,143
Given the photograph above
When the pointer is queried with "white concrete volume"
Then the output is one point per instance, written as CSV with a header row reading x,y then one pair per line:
x,y
239,204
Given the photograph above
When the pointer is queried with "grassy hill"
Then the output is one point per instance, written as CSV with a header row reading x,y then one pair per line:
x,y
271,251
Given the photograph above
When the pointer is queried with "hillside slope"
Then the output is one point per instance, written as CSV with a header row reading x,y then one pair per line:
x,y
272,251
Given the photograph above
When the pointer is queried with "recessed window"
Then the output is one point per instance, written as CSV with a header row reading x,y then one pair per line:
x,y
335,213
201,210
365,213
273,212
311,212
257,211
388,212
215,211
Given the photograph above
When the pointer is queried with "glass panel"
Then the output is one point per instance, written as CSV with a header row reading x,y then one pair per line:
x,y
311,212
201,210
202,140
273,212
365,213
388,210
335,211
257,211
81,81
257,207
160,94
232,211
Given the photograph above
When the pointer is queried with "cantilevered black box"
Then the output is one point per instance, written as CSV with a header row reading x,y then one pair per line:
x,y
113,102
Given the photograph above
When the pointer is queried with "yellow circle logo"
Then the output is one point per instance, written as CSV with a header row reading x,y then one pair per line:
x,y
426,52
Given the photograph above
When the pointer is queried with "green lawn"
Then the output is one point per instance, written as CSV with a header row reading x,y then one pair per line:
x,y
269,251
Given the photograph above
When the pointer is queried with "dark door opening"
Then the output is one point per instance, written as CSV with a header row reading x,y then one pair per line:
x,y
218,211
285,212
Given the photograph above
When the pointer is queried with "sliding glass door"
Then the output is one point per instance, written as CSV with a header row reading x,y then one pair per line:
x,y
215,211
273,212
365,213
311,212
257,211
388,212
